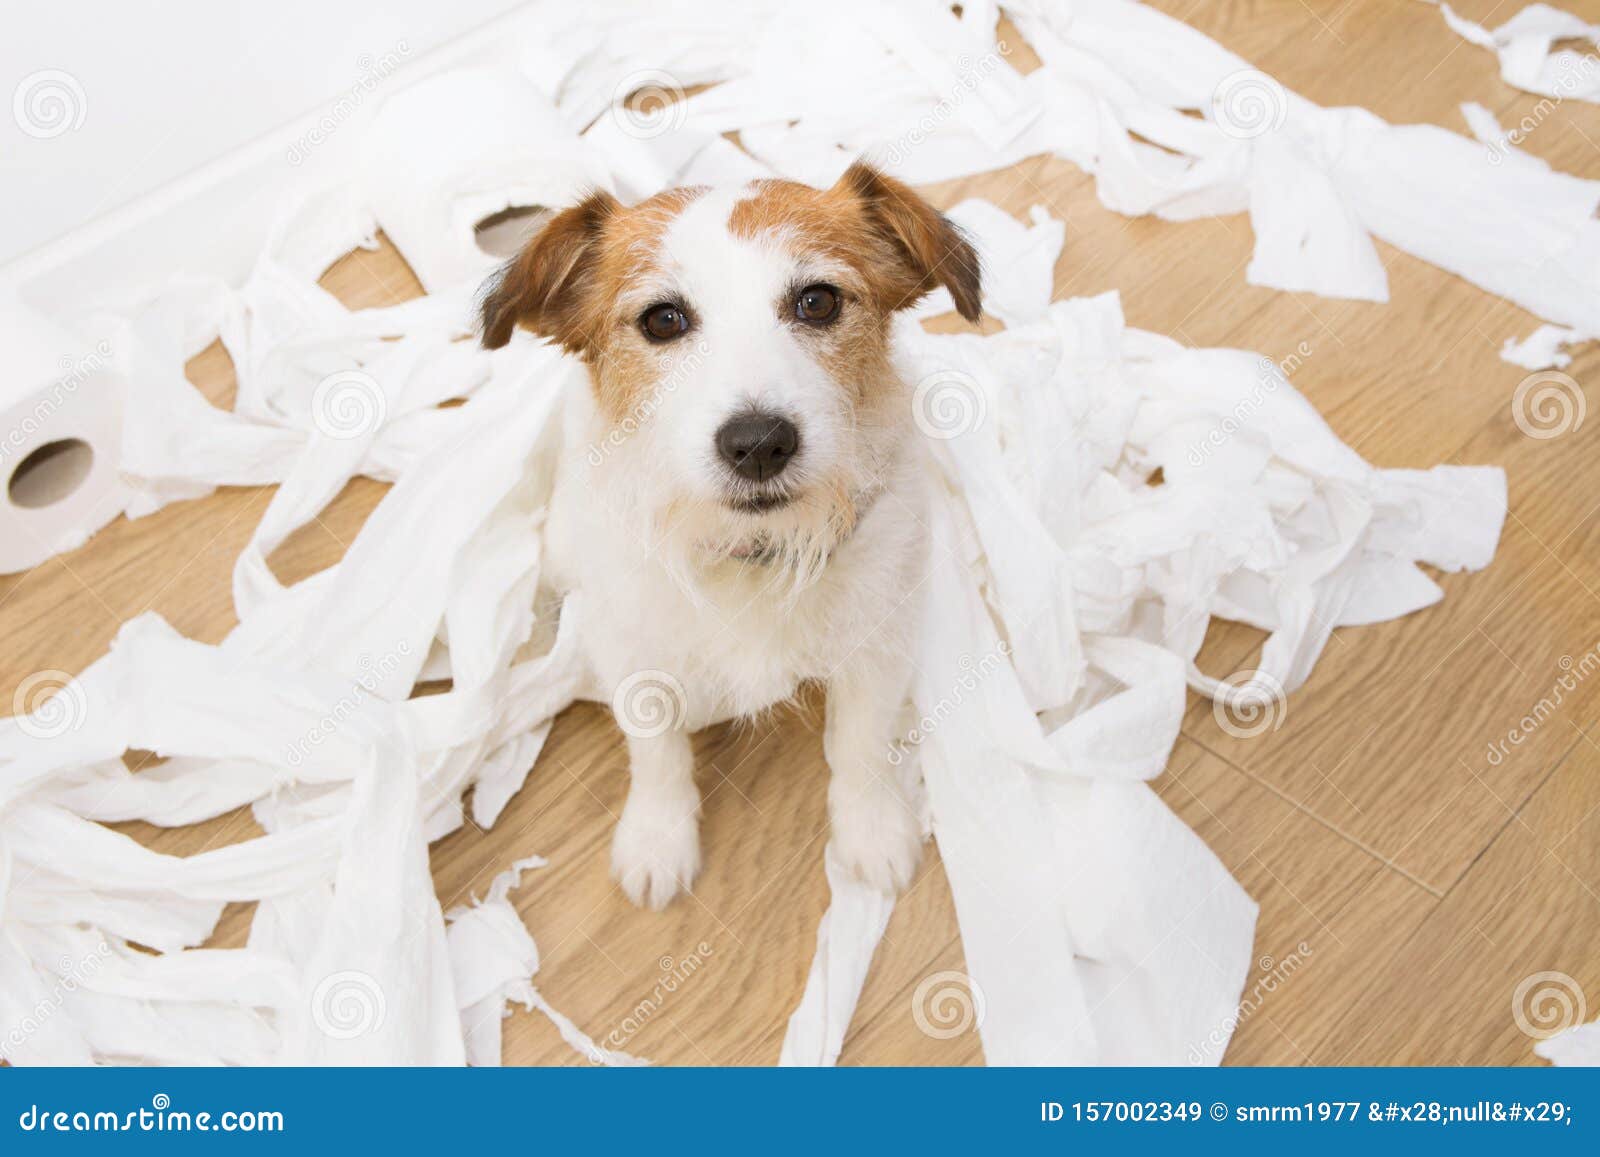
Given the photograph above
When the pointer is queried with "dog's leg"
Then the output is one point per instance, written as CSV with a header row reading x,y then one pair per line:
x,y
655,853
876,832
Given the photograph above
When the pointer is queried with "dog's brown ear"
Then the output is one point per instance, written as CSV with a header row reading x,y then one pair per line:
x,y
548,286
931,250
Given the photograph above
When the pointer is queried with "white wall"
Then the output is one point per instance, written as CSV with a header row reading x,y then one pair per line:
x,y
153,90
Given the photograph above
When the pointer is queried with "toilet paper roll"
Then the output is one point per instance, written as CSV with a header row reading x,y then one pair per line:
x,y
457,149
60,435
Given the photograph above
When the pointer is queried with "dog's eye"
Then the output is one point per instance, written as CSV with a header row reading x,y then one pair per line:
x,y
817,304
663,322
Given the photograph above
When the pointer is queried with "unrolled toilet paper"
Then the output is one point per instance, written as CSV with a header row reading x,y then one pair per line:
x,y
60,428
450,152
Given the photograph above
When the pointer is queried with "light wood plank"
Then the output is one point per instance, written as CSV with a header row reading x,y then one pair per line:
x,y
1512,953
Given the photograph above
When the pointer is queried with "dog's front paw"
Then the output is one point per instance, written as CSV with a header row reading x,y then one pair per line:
x,y
877,840
655,853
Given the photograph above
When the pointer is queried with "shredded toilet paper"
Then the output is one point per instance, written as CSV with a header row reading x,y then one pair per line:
x,y
1546,346
1529,58
1097,494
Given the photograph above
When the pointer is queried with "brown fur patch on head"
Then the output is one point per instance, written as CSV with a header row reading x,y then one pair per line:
x,y
902,247
888,248
564,282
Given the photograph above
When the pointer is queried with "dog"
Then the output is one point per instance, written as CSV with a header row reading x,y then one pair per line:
x,y
739,495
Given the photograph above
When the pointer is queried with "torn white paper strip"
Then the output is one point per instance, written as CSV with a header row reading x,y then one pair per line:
x,y
846,940
1529,59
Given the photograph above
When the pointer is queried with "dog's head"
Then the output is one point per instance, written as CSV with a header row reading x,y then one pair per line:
x,y
738,342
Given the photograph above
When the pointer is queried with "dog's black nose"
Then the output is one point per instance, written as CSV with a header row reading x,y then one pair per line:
x,y
757,446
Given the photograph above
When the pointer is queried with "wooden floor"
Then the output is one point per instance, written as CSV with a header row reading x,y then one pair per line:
x,y
1409,881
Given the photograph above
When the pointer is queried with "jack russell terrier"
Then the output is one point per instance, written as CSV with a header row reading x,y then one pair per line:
x,y
748,514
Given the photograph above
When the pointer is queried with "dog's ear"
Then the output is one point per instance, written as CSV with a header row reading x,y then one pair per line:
x,y
548,286
930,250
